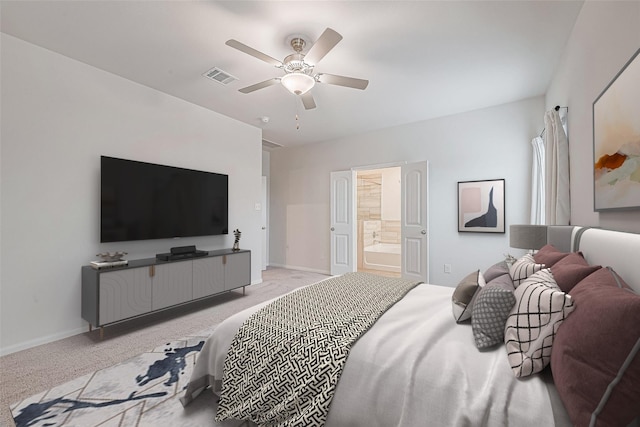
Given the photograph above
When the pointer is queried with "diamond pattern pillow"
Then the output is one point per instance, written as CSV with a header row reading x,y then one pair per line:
x,y
523,268
540,309
490,311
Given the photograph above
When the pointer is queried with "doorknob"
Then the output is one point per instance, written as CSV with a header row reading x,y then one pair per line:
x,y
264,228
333,229
424,232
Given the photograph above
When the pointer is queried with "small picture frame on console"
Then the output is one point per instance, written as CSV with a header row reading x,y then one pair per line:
x,y
481,206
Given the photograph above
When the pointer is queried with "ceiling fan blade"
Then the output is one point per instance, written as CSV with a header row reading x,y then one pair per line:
x,y
255,53
260,85
307,101
332,79
322,46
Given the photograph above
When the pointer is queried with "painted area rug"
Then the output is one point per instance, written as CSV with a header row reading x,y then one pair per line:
x,y
142,391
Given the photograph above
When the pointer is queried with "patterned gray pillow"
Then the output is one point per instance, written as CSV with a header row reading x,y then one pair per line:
x,y
490,311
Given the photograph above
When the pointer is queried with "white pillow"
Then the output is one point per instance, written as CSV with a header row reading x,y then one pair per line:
x,y
540,309
523,268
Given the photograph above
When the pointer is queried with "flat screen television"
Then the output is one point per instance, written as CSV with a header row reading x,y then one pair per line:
x,y
143,201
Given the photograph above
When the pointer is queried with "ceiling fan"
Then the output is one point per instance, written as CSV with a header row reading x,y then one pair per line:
x,y
298,67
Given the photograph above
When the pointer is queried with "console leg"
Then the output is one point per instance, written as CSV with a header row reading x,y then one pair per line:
x,y
101,332
90,327
243,288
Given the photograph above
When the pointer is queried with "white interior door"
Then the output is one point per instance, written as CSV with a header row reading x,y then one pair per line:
x,y
343,220
415,237
265,234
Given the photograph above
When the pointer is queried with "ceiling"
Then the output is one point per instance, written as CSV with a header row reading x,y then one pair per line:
x,y
423,59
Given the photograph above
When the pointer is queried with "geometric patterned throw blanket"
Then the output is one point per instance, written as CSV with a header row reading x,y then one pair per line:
x,y
285,361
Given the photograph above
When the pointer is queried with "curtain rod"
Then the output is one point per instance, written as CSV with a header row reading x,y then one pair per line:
x,y
557,108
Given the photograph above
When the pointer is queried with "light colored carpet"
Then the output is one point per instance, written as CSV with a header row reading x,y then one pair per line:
x,y
30,371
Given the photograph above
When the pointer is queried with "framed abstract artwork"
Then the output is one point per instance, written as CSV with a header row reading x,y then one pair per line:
x,y
481,206
616,141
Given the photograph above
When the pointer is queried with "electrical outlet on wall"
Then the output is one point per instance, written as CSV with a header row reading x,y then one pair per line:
x,y
447,268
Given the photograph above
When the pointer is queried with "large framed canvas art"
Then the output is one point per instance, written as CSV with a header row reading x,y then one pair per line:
x,y
481,206
616,141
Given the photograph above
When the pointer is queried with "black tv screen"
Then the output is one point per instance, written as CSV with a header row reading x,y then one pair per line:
x,y
142,201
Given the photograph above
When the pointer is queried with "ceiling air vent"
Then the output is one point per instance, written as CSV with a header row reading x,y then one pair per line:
x,y
220,76
269,144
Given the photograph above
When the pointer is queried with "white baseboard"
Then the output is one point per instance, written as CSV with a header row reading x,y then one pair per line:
x,y
42,340
295,267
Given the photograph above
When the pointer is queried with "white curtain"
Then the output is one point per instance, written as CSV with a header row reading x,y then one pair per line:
x,y
556,147
537,182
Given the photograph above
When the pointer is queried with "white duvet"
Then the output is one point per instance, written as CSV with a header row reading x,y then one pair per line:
x,y
415,367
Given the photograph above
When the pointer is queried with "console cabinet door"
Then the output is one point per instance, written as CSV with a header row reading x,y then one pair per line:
x,y
172,284
124,294
237,271
208,277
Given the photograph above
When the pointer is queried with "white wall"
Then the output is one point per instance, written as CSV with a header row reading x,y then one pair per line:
x,y
483,144
266,163
266,172
58,117
604,38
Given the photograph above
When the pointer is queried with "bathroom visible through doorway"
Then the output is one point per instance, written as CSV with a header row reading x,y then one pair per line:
x,y
379,209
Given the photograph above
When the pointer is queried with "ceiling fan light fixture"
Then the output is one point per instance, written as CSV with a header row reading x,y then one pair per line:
x,y
297,83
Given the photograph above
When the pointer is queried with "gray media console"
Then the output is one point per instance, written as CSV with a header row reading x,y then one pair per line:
x,y
148,285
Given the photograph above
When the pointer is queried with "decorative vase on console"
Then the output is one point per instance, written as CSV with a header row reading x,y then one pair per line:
x,y
236,244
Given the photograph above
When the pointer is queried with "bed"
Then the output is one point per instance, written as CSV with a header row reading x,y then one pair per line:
x,y
418,365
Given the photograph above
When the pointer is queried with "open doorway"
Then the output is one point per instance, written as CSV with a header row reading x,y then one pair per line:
x,y
414,239
379,231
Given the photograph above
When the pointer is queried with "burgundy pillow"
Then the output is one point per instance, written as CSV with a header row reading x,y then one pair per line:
x,y
571,269
549,255
597,343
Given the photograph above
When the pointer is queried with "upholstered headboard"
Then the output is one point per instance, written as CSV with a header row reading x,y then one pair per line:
x,y
616,249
